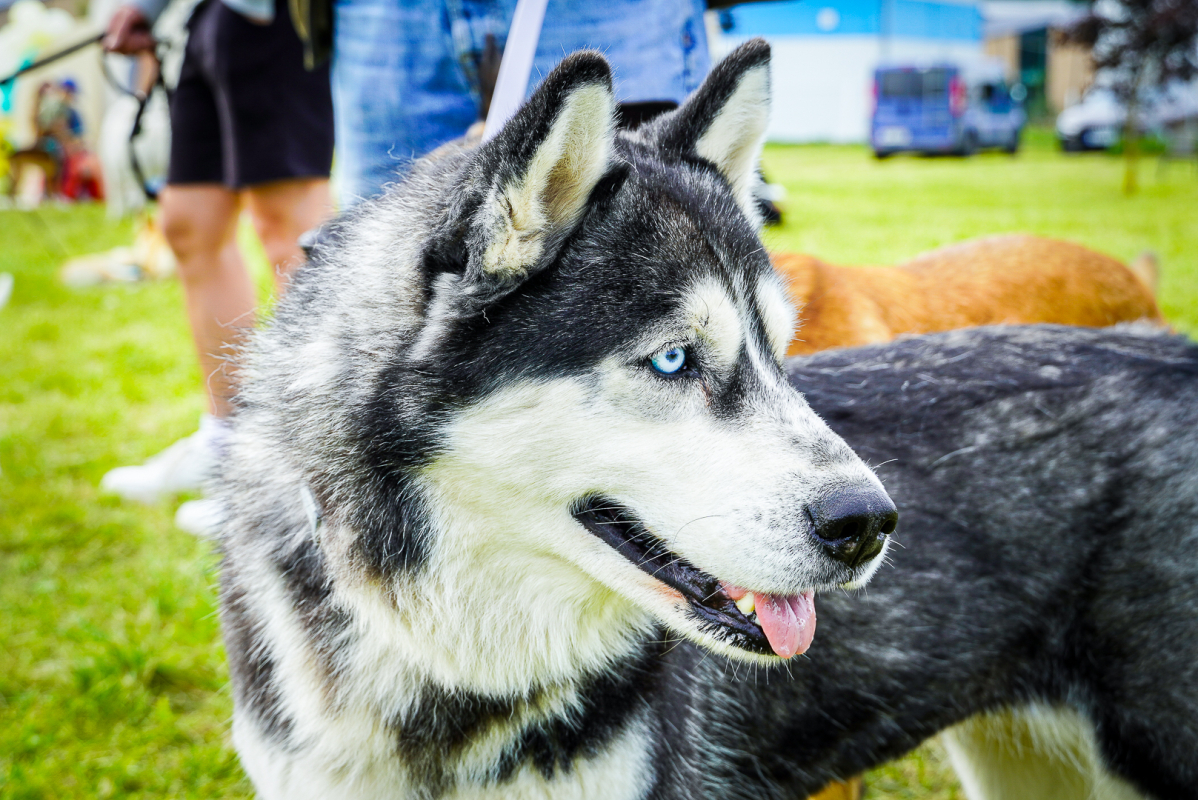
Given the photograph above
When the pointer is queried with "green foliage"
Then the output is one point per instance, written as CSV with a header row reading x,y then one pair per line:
x,y
112,675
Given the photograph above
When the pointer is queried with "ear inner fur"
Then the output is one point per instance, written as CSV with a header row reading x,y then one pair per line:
x,y
724,122
554,188
534,178
734,138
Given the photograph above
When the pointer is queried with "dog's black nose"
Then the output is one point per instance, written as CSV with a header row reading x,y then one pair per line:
x,y
852,525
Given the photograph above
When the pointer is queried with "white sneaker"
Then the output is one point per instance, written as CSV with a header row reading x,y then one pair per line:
x,y
182,467
200,518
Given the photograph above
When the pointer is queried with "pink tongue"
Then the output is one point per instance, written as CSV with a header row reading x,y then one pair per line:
x,y
788,622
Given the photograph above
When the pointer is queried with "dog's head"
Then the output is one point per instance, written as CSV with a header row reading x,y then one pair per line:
x,y
586,403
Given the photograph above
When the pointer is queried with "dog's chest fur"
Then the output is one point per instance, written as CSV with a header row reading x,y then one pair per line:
x,y
325,713
503,758
331,706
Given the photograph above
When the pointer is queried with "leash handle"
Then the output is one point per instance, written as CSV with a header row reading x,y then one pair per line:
x,y
516,66
143,100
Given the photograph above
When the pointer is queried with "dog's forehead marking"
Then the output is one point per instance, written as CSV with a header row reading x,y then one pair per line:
x,y
778,314
714,316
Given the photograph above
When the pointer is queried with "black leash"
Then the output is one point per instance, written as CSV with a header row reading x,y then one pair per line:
x,y
41,62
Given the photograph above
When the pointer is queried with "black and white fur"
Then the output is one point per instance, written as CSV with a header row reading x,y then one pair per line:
x,y
412,607
468,522
1047,480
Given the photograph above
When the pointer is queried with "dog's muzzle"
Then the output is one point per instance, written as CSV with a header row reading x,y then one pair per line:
x,y
850,525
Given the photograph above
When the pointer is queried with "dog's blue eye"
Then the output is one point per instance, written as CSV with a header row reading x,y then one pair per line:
x,y
668,362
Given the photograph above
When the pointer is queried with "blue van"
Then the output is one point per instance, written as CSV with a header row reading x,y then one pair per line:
x,y
944,109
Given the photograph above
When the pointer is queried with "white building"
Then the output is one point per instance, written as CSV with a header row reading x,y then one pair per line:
x,y
825,52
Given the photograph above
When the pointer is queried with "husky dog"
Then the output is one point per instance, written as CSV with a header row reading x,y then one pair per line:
x,y
517,440
1047,479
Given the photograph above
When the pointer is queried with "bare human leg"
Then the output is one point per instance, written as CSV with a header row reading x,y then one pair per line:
x,y
281,211
200,224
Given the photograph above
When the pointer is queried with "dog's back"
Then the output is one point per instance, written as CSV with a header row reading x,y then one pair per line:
x,y
996,280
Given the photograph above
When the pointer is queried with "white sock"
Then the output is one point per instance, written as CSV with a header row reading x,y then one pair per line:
x,y
214,434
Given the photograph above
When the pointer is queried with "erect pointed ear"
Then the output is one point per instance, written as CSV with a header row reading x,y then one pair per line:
x,y
538,173
724,121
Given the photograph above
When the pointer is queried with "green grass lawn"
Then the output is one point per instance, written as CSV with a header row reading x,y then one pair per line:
x,y
112,676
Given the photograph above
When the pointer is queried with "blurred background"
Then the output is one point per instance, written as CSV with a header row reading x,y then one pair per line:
x,y
898,126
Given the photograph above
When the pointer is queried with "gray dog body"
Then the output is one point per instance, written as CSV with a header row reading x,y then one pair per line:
x,y
1047,481
518,445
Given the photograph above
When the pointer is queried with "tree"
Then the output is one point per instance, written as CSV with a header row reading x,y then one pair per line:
x,y
1140,43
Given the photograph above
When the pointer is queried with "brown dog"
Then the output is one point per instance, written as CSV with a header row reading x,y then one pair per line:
x,y
998,279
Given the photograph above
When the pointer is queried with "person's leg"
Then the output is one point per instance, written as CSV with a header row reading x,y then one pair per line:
x,y
200,224
281,211
198,215
277,149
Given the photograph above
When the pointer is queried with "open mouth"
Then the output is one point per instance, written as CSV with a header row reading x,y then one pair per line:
x,y
759,623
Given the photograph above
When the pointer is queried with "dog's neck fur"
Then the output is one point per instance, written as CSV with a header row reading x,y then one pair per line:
x,y
502,622
496,681
484,668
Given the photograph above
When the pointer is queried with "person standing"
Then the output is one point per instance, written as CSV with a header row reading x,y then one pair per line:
x,y
406,72
251,129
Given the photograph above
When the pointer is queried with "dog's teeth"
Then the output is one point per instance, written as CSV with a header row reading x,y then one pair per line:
x,y
746,604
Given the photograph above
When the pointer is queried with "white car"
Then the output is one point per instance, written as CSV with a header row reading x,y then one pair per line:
x,y
1093,124
1096,123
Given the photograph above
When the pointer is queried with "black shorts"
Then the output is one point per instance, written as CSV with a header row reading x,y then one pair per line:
x,y
245,111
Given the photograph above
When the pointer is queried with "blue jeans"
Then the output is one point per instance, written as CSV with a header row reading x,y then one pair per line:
x,y
405,78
